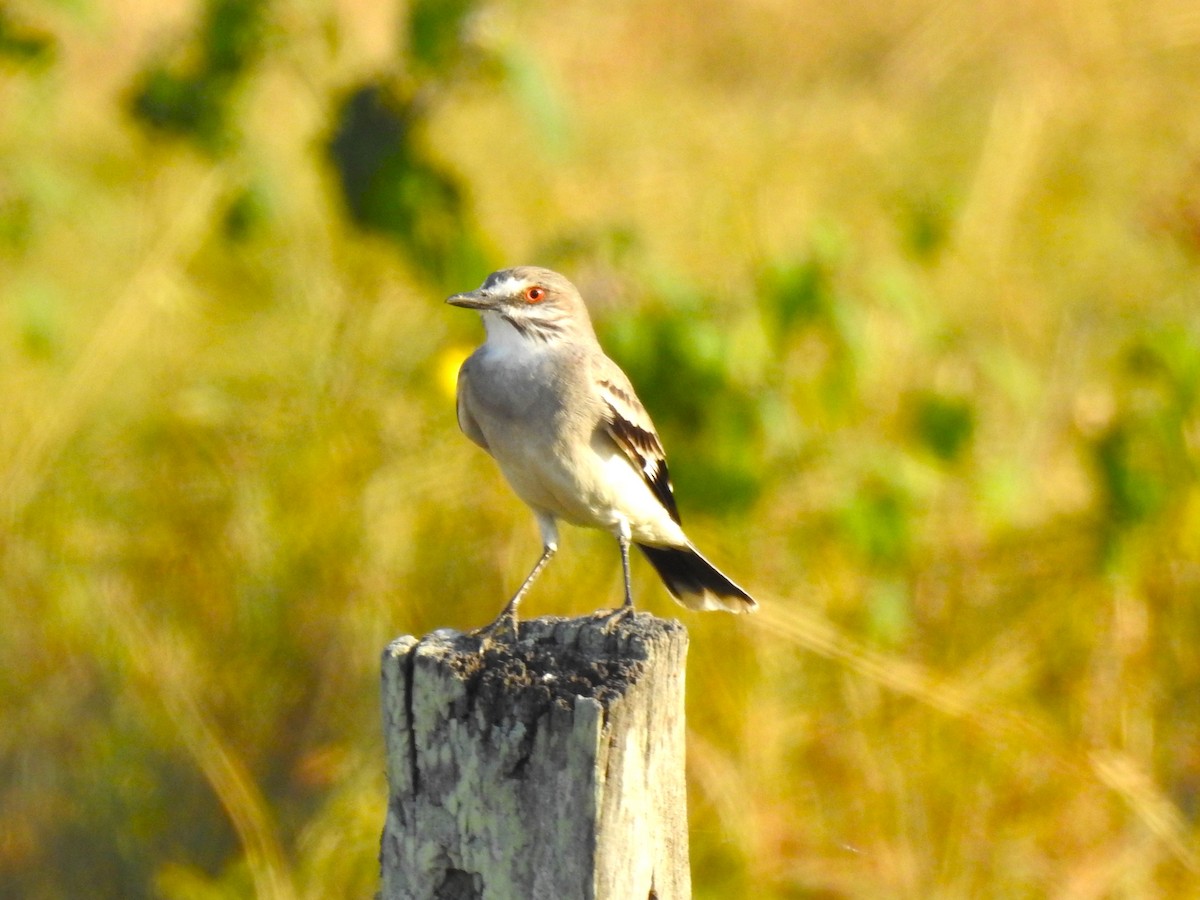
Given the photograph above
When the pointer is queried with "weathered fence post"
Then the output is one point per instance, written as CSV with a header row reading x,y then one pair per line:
x,y
551,767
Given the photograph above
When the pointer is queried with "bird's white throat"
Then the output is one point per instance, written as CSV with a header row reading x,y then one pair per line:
x,y
504,339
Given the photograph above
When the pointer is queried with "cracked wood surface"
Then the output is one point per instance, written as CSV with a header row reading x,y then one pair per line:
x,y
549,767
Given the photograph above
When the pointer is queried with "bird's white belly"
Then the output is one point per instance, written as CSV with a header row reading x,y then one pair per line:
x,y
598,488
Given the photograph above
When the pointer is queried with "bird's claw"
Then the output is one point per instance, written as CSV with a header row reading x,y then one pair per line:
x,y
614,617
503,627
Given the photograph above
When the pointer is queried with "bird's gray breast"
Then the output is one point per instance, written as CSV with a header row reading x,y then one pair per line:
x,y
510,391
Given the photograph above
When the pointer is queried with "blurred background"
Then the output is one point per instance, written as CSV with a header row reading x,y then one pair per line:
x,y
911,291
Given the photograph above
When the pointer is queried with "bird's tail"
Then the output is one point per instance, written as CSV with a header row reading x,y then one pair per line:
x,y
694,581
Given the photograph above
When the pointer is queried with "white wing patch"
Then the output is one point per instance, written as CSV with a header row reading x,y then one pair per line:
x,y
629,425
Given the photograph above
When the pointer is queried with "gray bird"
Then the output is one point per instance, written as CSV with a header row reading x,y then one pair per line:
x,y
571,437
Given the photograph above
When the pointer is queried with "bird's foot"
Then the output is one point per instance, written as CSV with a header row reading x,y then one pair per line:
x,y
614,617
503,628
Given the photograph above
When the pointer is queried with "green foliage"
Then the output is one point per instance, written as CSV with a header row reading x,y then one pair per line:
x,y
798,294
436,34
1145,457
680,360
191,105
942,424
807,291
877,523
193,94
926,224
805,300
392,186
390,181
23,44
1131,472
246,214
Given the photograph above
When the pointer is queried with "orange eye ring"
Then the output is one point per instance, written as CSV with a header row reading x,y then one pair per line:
x,y
535,294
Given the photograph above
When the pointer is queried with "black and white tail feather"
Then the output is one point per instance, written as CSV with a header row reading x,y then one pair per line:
x,y
691,579
694,581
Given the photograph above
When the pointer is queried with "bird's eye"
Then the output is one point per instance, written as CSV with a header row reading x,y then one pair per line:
x,y
535,294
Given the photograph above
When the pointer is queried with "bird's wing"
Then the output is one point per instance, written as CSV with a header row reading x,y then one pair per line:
x,y
466,421
626,421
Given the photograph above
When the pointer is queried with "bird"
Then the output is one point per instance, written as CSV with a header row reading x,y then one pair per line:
x,y
571,437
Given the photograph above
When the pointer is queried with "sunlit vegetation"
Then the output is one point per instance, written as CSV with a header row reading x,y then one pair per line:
x,y
911,290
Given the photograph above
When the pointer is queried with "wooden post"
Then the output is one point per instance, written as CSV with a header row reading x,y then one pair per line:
x,y
551,767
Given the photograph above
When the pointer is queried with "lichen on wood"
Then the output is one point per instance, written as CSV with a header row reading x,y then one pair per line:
x,y
547,767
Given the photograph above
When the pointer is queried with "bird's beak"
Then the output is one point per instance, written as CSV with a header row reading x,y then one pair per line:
x,y
471,300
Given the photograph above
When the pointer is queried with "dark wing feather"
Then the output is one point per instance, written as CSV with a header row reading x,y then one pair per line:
x,y
628,424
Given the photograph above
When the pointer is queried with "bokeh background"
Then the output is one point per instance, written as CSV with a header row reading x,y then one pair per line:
x,y
911,290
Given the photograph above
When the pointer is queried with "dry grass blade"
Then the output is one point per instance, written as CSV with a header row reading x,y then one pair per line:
x,y
150,289
163,676
1116,771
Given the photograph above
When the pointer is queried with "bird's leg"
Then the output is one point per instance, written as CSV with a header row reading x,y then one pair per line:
x,y
623,541
626,608
507,620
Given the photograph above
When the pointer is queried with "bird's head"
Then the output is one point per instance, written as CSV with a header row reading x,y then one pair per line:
x,y
537,303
